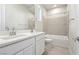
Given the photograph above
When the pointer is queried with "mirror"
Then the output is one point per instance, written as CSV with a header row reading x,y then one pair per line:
x,y
18,16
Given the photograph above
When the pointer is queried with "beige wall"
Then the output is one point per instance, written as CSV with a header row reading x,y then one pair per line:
x,y
56,24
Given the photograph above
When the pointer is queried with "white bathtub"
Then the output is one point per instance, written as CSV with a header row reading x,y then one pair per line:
x,y
58,40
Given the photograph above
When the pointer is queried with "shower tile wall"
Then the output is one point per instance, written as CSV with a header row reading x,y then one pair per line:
x,y
56,23
56,26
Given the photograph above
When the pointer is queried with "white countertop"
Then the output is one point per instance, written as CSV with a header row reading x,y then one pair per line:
x,y
4,42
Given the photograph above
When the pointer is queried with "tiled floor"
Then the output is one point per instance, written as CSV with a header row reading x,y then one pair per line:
x,y
55,50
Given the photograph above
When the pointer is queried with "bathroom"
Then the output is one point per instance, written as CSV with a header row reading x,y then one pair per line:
x,y
39,29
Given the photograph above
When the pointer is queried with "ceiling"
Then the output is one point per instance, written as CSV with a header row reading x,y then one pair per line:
x,y
51,6
31,7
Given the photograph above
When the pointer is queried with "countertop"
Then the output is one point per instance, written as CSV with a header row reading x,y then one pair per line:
x,y
24,36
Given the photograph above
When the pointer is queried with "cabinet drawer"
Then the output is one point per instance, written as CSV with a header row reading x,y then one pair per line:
x,y
14,48
40,37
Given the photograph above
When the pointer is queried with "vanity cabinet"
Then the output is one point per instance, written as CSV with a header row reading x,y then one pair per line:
x,y
28,46
15,48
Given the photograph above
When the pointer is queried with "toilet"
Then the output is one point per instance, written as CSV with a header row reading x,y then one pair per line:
x,y
48,43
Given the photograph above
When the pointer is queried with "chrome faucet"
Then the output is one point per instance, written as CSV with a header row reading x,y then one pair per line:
x,y
11,31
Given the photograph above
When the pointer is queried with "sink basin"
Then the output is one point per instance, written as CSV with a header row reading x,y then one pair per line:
x,y
6,37
10,37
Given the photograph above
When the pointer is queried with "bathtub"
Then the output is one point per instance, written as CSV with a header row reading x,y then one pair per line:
x,y
58,40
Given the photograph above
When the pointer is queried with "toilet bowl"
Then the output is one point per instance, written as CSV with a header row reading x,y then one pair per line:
x,y
48,43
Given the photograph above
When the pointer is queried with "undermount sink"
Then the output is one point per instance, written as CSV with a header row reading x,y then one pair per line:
x,y
6,37
10,37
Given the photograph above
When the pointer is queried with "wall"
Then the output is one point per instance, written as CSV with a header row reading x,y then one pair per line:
x,y
45,16
73,28
40,15
2,17
17,16
56,22
39,18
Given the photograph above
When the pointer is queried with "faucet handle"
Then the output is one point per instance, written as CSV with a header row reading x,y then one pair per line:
x,y
7,28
